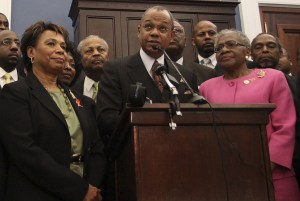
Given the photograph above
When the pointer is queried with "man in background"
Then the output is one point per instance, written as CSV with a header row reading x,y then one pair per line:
x,y
4,24
285,64
9,57
175,51
94,53
204,40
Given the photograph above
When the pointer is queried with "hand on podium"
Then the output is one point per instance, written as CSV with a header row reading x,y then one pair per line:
x,y
93,194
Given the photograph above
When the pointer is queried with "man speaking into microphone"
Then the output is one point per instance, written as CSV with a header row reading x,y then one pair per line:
x,y
155,30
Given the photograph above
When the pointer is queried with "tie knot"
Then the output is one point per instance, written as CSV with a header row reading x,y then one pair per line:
x,y
95,85
7,78
206,61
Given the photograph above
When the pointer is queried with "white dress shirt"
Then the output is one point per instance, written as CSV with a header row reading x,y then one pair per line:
x,y
148,61
88,89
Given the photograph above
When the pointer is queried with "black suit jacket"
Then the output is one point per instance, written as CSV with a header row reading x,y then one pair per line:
x,y
202,72
219,71
78,85
115,84
3,160
36,139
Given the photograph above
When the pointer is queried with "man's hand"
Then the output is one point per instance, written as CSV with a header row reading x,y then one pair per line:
x,y
93,194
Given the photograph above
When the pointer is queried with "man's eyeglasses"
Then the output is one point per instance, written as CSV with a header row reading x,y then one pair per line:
x,y
228,44
9,42
178,30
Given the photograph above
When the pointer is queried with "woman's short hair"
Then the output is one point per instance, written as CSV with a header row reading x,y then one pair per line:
x,y
244,39
33,33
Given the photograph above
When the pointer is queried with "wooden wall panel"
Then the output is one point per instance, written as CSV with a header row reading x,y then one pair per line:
x,y
117,21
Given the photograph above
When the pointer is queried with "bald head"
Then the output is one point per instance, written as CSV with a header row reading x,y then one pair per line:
x,y
4,25
204,37
9,50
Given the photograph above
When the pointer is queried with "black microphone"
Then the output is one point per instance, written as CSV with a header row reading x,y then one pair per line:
x,y
197,99
136,95
161,70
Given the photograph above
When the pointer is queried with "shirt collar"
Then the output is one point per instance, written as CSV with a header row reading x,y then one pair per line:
x,y
148,61
180,61
88,83
212,59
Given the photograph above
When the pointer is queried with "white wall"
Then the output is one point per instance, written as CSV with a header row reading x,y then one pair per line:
x,y
5,8
250,17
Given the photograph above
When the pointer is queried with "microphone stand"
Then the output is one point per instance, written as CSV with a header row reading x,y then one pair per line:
x,y
196,98
175,105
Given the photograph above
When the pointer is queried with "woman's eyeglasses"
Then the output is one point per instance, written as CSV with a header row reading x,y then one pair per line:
x,y
228,44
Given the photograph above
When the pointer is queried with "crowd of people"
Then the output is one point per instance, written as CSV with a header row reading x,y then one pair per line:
x,y
60,103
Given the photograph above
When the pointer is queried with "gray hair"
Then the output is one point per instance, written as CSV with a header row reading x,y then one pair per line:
x,y
83,41
244,39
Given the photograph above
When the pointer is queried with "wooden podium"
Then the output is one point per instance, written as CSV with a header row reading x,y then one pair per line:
x,y
214,154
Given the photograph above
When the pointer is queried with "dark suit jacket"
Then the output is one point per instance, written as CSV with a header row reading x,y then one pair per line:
x,y
36,138
115,84
219,71
78,85
202,72
3,160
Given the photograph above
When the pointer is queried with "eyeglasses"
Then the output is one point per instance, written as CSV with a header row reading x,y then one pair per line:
x,y
178,30
160,28
228,44
9,42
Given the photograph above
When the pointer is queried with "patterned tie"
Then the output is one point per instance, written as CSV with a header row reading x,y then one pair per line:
x,y
207,62
156,78
7,78
95,90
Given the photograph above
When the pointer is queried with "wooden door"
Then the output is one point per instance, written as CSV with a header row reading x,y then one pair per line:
x,y
283,22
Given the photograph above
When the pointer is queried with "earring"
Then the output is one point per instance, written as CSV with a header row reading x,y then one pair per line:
x,y
247,57
32,59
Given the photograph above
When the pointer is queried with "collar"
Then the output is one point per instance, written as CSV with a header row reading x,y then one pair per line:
x,y
14,73
212,59
180,61
148,61
88,83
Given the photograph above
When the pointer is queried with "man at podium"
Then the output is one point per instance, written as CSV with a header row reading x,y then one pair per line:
x,y
154,33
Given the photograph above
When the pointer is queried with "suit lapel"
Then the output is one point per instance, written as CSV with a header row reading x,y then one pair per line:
x,y
138,73
41,94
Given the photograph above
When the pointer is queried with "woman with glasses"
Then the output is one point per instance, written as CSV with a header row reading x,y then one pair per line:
x,y
49,133
241,85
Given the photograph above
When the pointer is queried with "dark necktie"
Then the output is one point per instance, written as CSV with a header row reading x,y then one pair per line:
x,y
156,78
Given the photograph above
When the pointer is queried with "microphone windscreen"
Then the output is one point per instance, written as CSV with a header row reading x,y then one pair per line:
x,y
137,95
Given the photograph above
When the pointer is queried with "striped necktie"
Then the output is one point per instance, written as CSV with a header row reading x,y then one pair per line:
x,y
156,78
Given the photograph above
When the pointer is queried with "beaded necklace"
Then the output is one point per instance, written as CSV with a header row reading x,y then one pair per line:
x,y
67,102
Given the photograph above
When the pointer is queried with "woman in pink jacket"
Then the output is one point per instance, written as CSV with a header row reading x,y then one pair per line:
x,y
241,85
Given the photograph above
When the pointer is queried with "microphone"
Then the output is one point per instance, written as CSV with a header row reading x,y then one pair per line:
x,y
136,95
161,70
197,99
